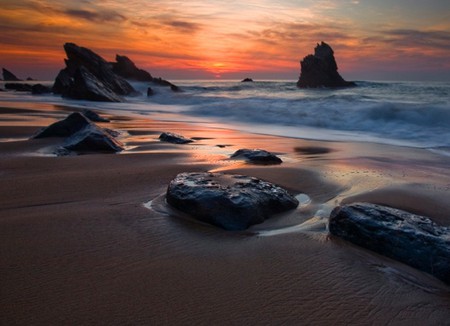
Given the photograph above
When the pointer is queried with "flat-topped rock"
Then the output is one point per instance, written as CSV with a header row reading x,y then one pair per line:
x,y
174,138
247,80
320,69
412,239
256,156
232,202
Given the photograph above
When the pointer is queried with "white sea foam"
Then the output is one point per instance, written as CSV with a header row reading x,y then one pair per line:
x,y
407,113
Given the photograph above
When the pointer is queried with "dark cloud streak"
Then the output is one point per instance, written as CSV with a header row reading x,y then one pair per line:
x,y
104,16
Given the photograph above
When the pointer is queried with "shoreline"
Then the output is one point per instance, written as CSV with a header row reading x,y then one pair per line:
x,y
79,245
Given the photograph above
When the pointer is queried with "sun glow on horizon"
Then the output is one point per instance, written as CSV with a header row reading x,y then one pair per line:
x,y
228,40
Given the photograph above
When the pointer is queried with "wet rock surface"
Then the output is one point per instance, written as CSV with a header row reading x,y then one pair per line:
x,y
412,239
174,138
232,202
81,135
320,69
256,156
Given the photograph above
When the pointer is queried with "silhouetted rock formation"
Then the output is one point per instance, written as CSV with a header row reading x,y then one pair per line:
x,y
412,239
91,115
174,138
126,68
9,76
257,156
320,69
30,79
18,87
39,89
246,80
88,76
232,202
81,134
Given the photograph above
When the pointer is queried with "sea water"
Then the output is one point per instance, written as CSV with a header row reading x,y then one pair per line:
x,y
413,114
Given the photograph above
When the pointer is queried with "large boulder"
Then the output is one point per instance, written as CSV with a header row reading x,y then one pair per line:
x,y
412,239
320,69
9,76
257,156
232,202
88,76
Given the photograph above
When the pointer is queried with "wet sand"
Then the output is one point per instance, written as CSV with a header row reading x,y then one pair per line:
x,y
88,239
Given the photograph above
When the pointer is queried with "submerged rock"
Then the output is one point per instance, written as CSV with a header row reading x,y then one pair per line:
x,y
9,76
412,239
320,69
232,202
174,138
246,80
257,156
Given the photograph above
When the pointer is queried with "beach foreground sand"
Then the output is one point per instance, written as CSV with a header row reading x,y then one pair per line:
x,y
88,239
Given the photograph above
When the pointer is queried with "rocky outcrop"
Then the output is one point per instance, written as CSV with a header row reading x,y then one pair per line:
x,y
39,89
88,76
127,69
246,80
174,138
18,87
320,69
412,239
81,135
257,156
232,202
9,76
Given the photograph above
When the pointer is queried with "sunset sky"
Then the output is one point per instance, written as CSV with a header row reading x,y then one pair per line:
x,y
372,40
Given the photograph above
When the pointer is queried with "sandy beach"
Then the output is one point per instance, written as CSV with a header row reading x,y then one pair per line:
x,y
88,239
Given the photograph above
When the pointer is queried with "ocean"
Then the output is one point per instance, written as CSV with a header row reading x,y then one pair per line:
x,y
415,114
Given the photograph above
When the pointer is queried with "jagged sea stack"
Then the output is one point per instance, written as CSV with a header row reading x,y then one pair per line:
x,y
320,69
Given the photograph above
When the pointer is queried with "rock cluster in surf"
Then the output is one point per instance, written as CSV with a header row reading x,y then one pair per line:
x,y
87,76
232,202
320,69
412,239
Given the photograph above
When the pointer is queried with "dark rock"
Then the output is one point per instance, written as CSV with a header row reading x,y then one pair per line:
x,y
87,86
246,80
320,69
257,156
40,89
412,239
91,115
92,139
126,68
65,128
150,91
174,138
232,202
18,87
30,79
162,82
9,76
88,76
